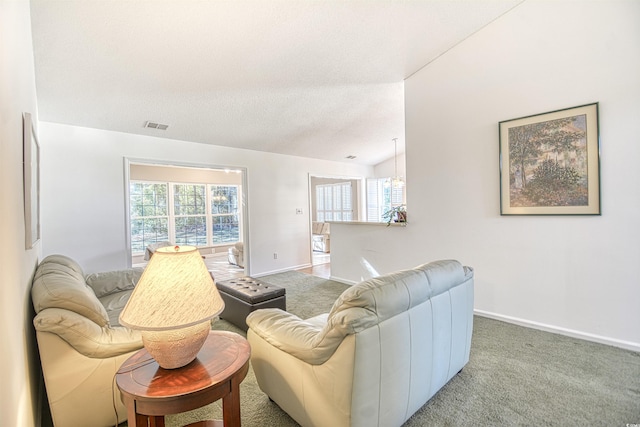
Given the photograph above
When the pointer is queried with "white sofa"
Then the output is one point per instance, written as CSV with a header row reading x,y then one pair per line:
x,y
385,348
320,236
80,342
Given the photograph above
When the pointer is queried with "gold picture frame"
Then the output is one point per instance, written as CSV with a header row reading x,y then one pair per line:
x,y
550,163
31,178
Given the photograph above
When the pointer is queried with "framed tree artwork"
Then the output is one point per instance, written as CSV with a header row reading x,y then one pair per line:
x,y
550,163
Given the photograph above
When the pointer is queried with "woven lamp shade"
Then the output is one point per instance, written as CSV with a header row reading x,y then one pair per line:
x,y
173,304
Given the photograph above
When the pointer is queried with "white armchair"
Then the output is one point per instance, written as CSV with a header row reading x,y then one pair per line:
x,y
320,236
385,348
235,254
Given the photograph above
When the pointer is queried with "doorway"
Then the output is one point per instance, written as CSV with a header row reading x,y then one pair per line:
x,y
332,198
189,204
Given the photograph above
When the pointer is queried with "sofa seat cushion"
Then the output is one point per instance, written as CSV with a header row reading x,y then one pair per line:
x,y
59,284
114,304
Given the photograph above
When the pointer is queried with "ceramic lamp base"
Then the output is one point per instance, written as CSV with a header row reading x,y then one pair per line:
x,y
176,348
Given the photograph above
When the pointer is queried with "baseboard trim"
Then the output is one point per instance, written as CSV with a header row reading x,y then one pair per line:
x,y
282,270
341,280
627,345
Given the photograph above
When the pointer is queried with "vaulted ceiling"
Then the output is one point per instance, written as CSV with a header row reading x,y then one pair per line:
x,y
319,79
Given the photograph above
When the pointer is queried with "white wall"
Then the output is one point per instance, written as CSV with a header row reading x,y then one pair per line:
x,y
83,194
387,168
574,274
19,366
182,175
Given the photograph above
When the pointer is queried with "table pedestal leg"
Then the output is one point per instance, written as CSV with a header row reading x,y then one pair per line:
x,y
231,407
156,421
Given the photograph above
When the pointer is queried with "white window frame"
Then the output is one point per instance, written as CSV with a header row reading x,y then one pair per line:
x,y
211,215
171,215
333,196
376,203
134,218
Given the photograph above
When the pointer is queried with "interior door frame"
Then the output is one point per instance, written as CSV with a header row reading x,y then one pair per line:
x,y
360,199
128,161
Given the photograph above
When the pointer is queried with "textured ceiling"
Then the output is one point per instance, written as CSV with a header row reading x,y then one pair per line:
x,y
320,79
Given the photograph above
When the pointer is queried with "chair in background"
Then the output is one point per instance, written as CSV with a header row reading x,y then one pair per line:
x,y
320,236
236,255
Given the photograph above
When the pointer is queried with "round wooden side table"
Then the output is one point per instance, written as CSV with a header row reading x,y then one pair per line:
x,y
150,392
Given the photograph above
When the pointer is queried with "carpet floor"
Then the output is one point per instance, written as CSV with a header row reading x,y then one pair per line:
x,y
516,376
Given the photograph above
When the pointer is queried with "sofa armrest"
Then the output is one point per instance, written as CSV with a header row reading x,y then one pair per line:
x,y
313,341
85,336
114,281
288,333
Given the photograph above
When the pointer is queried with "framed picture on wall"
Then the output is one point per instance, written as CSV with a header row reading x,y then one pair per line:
x,y
550,163
31,171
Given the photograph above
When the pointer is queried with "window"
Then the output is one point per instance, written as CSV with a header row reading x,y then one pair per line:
x,y
382,196
149,214
186,214
224,211
334,202
189,214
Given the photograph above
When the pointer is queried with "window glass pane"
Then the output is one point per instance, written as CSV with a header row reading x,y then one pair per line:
x,y
396,195
320,198
328,205
334,202
381,196
374,195
191,230
225,214
190,218
148,211
146,199
189,199
226,228
224,199
147,231
337,198
346,196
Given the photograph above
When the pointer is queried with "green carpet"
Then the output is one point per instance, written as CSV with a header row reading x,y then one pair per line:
x,y
516,376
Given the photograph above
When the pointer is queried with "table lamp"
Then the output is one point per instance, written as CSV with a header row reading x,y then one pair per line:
x,y
172,305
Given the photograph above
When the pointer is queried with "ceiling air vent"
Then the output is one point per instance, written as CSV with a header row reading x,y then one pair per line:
x,y
153,125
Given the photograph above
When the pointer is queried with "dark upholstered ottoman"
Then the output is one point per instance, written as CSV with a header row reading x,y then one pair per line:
x,y
243,295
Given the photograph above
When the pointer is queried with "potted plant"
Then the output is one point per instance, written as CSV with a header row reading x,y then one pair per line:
x,y
395,214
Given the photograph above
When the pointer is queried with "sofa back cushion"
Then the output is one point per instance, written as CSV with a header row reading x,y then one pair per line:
x,y
109,282
59,283
373,301
380,298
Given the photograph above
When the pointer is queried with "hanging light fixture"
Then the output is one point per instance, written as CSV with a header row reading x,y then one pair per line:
x,y
397,180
